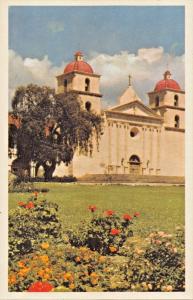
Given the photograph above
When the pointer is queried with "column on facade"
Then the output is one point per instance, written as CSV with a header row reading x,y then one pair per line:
x,y
158,152
144,152
109,146
125,165
117,146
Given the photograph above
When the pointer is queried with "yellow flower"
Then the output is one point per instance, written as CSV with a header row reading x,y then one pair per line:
x,y
150,286
44,258
45,245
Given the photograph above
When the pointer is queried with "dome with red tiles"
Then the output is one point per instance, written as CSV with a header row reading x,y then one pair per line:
x,y
78,65
167,83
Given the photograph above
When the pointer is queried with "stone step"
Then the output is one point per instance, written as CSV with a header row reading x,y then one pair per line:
x,y
121,178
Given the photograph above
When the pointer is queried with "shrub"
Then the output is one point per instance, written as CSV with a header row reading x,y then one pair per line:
x,y
55,179
105,234
31,223
159,266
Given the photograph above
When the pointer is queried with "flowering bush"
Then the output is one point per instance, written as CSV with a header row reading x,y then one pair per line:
x,y
102,256
64,268
105,234
32,223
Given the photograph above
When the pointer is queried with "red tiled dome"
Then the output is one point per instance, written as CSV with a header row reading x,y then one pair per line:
x,y
167,83
78,65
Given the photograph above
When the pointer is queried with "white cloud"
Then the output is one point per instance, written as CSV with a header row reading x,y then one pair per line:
x,y
30,70
146,68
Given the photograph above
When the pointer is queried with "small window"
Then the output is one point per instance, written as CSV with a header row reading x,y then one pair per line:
x,y
177,122
176,100
88,106
65,85
157,101
87,85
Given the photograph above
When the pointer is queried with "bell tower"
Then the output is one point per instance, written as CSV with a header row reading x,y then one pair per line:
x,y
79,77
168,100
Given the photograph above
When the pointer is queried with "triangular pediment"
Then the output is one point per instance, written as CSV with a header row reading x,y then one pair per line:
x,y
136,108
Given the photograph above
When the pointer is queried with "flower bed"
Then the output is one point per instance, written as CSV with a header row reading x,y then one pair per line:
x,y
103,255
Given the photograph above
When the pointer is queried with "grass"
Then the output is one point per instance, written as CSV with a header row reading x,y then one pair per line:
x,y
161,208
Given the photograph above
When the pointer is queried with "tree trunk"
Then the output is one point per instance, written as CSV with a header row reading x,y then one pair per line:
x,y
49,170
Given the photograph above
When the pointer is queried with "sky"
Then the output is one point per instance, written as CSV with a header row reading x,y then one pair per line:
x,y
117,41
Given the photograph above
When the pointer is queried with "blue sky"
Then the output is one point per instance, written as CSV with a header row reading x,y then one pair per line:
x,y
59,31
117,41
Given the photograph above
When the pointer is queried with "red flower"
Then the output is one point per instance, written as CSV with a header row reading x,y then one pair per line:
x,y
21,203
40,287
137,214
92,208
35,194
115,231
127,217
109,212
29,205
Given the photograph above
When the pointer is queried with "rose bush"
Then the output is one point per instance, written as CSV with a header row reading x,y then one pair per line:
x,y
105,234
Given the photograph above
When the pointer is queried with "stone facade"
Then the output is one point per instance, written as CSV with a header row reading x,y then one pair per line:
x,y
137,139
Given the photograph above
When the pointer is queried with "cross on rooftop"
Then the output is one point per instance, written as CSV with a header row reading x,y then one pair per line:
x,y
130,79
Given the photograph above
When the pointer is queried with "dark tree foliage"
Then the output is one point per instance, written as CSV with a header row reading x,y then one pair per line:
x,y
53,126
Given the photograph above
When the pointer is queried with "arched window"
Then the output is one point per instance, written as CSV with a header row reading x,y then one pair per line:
x,y
176,100
134,159
177,121
87,85
88,106
65,84
157,101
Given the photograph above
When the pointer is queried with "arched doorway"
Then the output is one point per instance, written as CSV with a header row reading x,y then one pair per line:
x,y
134,162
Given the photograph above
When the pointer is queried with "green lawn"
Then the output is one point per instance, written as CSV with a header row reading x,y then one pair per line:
x,y
161,208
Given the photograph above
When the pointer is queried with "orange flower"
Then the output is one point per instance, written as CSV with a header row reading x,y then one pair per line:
x,y
35,194
72,286
23,272
94,278
68,276
94,275
77,259
102,259
113,249
46,276
12,279
44,258
45,245
21,264
41,273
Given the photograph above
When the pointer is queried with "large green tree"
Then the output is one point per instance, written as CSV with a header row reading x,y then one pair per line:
x,y
52,127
